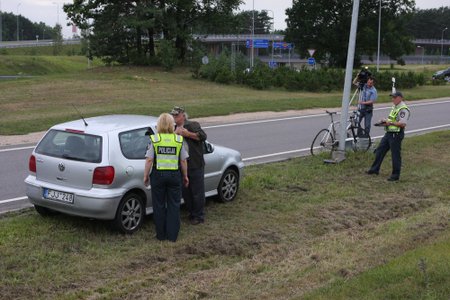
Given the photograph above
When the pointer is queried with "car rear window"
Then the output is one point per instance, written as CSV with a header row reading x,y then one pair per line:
x,y
71,145
134,143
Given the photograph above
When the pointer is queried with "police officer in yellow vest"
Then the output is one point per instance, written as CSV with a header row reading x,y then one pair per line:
x,y
392,140
166,156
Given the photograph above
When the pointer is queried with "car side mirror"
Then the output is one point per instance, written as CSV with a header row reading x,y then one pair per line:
x,y
149,131
208,148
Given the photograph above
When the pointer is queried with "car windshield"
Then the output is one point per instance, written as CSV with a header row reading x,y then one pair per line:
x,y
71,145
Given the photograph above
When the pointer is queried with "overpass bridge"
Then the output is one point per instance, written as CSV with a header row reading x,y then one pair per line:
x,y
427,50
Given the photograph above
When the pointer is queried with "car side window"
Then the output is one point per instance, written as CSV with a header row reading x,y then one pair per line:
x,y
134,143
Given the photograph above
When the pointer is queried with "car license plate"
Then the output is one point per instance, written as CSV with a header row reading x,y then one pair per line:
x,y
58,196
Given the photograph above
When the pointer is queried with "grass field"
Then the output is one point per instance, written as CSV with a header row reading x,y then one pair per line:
x,y
66,50
35,104
299,229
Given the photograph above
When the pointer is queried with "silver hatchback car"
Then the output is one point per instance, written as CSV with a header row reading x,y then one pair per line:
x,y
93,168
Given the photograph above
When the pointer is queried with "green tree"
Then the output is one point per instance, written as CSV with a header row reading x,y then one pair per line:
x,y
27,29
125,31
57,40
230,23
429,23
325,25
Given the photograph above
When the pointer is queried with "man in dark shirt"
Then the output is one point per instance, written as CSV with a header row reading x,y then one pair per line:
x,y
194,194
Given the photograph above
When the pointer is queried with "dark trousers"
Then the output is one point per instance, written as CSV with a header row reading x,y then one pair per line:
x,y
166,199
390,141
194,194
366,114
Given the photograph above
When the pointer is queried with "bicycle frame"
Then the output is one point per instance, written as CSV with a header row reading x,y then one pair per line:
x,y
327,138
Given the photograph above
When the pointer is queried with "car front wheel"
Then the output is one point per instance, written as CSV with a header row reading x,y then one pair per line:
x,y
228,186
130,214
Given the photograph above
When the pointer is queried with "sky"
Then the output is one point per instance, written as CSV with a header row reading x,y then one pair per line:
x,y
49,11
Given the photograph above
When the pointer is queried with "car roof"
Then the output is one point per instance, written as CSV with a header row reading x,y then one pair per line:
x,y
108,123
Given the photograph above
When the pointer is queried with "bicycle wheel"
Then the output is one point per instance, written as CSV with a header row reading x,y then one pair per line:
x,y
359,139
323,142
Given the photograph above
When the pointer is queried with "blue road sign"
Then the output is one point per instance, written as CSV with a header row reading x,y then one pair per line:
x,y
311,61
282,45
272,64
257,44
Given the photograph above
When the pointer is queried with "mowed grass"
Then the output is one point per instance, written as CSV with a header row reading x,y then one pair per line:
x,y
66,50
298,229
35,104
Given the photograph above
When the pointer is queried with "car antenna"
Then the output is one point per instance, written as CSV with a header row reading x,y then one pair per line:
x,y
85,123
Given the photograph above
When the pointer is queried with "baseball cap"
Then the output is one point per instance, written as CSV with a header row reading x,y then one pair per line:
x,y
396,94
176,110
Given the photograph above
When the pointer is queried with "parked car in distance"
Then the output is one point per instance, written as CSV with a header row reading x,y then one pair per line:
x,y
94,167
442,74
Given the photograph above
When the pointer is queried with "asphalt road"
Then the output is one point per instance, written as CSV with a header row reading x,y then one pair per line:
x,y
259,141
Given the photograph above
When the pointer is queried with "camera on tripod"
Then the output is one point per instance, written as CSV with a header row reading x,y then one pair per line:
x,y
362,77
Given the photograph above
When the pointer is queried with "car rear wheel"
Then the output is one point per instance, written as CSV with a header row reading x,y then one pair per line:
x,y
130,214
44,211
228,186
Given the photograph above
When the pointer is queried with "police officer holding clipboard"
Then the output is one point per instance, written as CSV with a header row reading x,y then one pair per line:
x,y
392,140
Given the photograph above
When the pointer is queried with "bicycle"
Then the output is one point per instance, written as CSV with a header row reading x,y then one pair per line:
x,y
327,139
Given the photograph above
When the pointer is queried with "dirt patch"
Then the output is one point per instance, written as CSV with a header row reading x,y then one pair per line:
x,y
31,138
233,246
360,213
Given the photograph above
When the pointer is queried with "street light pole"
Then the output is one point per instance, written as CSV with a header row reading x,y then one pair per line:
x,y
379,37
339,155
423,51
442,42
1,29
57,12
273,29
18,21
253,35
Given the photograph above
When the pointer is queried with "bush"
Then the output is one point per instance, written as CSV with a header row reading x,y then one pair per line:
x,y
260,77
321,80
167,55
224,75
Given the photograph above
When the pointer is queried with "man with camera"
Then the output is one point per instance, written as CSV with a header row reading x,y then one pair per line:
x,y
367,96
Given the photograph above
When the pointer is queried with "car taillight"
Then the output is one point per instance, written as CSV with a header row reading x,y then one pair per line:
x,y
103,175
32,164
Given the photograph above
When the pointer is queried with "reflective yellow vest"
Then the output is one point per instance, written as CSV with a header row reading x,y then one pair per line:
x,y
393,118
167,150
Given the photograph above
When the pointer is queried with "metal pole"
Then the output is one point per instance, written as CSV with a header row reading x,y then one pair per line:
x,y
379,37
252,44
18,21
57,12
423,49
1,29
273,29
340,154
442,43
423,53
